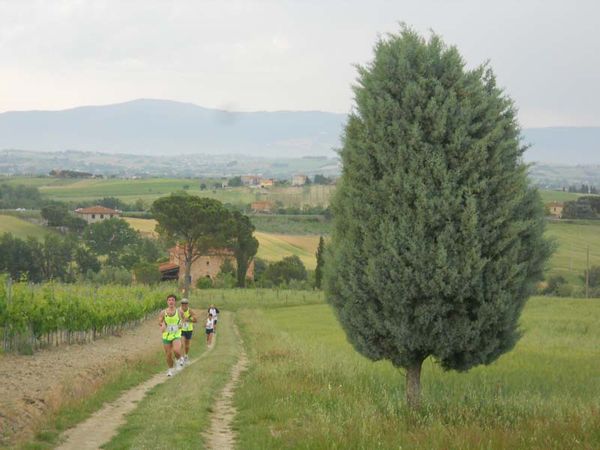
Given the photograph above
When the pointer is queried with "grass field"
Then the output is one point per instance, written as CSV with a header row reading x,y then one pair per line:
x,y
307,387
572,240
558,196
21,228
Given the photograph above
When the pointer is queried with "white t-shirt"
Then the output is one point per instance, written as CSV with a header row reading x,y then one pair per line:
x,y
213,311
209,324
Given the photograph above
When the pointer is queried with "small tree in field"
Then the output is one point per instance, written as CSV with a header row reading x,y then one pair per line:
x,y
437,239
320,263
197,224
243,244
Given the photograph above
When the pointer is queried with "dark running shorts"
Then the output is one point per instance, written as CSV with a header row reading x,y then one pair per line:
x,y
187,334
209,330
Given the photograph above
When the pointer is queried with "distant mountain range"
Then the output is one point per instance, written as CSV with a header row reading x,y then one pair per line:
x,y
162,128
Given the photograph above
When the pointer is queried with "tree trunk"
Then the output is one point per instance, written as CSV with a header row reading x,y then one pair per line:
x,y
413,385
241,269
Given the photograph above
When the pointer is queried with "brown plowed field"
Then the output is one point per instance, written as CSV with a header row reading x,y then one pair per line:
x,y
33,386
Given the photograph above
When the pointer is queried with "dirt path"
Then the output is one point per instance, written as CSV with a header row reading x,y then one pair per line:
x,y
103,425
220,435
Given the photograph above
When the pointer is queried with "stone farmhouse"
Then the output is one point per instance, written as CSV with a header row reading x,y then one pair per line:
x,y
299,180
204,266
267,182
556,209
97,213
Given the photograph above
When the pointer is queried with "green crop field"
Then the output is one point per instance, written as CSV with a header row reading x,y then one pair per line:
x,y
21,228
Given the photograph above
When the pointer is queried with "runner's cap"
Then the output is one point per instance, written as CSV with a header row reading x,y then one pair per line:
x,y
184,300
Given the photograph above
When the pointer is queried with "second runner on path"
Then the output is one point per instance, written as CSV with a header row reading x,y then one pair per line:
x,y
187,328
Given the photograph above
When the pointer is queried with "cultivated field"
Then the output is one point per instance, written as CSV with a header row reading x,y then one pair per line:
x,y
150,189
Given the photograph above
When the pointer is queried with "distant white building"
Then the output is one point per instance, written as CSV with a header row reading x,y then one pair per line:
x,y
97,213
299,180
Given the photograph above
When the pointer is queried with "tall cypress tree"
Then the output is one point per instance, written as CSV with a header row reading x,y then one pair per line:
x,y
437,239
320,255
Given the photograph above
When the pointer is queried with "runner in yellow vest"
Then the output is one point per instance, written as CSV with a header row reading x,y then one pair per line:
x,y
189,318
170,322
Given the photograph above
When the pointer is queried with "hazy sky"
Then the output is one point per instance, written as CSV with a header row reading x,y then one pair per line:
x,y
287,55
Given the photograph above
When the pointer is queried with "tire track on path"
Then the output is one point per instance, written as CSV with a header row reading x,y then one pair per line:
x,y
220,435
103,425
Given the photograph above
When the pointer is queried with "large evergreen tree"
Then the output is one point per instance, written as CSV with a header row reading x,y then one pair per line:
x,y
437,239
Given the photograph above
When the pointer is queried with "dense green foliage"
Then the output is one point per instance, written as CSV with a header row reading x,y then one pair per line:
x,y
110,237
282,272
437,239
585,207
19,196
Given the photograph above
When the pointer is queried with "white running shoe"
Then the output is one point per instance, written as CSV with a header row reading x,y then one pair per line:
x,y
180,363
186,359
170,372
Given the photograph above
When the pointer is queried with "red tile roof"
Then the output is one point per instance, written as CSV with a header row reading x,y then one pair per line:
x,y
97,210
167,266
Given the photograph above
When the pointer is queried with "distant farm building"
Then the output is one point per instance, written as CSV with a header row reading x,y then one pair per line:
x,y
97,213
250,180
262,206
267,182
299,180
556,209
205,266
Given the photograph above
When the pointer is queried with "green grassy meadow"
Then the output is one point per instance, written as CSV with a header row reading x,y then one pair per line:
x,y
307,387
21,228
558,196
572,239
